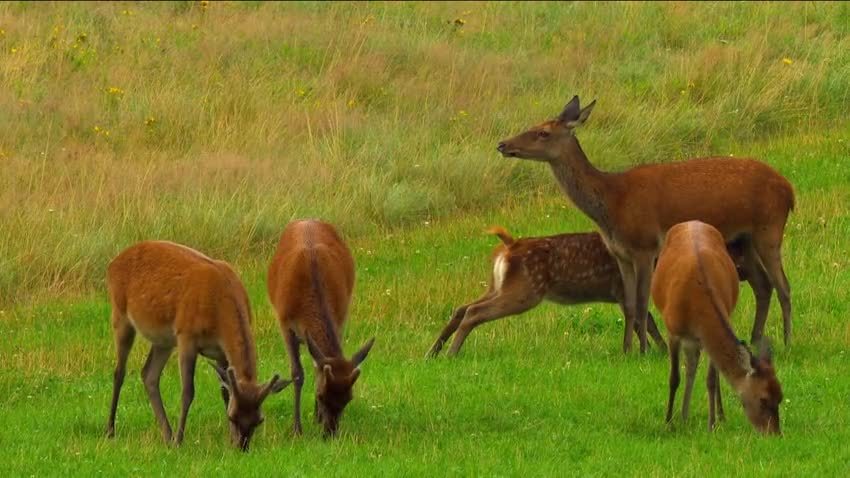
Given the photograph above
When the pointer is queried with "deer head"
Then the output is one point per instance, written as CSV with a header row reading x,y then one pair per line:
x,y
760,393
243,409
545,141
335,378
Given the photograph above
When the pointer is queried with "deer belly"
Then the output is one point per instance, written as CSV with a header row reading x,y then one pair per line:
x,y
213,351
580,293
157,333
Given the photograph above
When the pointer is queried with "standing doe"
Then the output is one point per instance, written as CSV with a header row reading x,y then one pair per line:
x,y
311,279
746,200
695,287
564,268
177,297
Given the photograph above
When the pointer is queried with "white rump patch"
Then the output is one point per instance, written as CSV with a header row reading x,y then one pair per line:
x,y
500,268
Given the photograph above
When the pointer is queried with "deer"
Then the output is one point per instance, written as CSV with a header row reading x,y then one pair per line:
x,y
572,268
695,287
177,297
745,199
310,284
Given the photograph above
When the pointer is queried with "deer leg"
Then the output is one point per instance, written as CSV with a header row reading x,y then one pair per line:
x,y
674,375
713,392
317,415
691,362
771,257
652,328
717,398
124,336
760,283
629,297
188,358
454,323
643,278
151,372
500,306
225,393
292,349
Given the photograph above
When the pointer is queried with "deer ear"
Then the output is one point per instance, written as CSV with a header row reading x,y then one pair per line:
x,y
222,375
231,380
317,354
355,374
275,385
329,373
361,354
582,116
746,359
571,111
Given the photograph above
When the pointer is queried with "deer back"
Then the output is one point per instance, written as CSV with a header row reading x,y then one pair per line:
x,y
311,276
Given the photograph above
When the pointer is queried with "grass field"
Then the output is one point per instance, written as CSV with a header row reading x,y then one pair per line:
x,y
213,125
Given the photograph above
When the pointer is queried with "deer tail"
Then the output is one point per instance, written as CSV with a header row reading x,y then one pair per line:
x,y
503,234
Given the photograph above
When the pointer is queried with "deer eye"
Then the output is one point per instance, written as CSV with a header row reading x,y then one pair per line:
x,y
542,134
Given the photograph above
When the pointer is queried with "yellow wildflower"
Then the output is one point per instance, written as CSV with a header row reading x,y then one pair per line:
x,y
787,61
150,121
352,103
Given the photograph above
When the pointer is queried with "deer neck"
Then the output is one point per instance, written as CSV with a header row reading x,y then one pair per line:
x,y
321,330
723,351
242,356
587,187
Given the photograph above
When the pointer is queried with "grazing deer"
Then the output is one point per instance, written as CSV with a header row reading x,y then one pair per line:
x,y
311,279
564,268
695,286
746,200
177,297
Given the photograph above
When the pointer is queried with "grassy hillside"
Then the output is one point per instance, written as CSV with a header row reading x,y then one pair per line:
x,y
214,124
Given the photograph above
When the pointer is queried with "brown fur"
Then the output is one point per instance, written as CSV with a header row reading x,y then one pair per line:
x,y
311,279
564,268
746,200
177,297
695,287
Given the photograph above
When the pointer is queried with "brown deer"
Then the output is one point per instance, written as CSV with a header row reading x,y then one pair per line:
x,y
311,279
564,268
695,286
177,297
746,200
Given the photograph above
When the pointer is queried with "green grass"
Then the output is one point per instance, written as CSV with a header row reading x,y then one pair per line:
x,y
382,118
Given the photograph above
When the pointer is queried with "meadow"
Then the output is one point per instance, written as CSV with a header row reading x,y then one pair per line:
x,y
213,124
